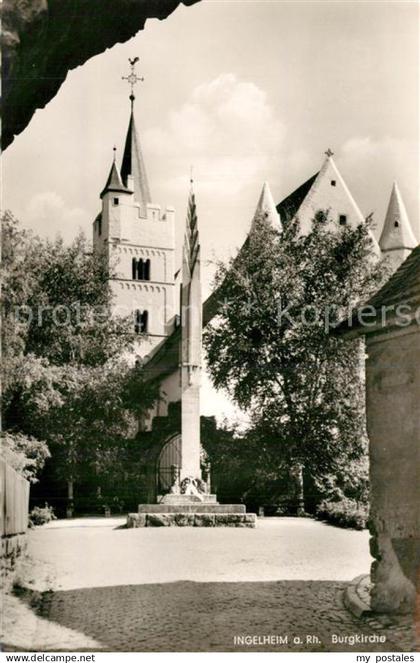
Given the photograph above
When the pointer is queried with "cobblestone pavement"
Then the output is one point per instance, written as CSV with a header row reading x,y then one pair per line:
x,y
195,590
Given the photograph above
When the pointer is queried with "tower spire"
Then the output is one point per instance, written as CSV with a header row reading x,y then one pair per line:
x,y
397,237
114,182
133,170
267,209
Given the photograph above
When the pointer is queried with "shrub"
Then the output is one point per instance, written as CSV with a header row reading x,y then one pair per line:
x,y
344,513
24,453
41,515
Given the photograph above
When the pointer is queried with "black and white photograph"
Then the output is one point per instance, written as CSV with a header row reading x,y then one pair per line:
x,y
210,329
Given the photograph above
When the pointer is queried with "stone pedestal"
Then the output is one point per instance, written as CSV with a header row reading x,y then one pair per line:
x,y
212,516
181,500
186,511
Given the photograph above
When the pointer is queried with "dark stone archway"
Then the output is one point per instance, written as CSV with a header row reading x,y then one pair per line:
x,y
43,39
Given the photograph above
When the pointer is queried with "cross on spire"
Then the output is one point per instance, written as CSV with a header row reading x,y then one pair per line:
x,y
329,152
132,77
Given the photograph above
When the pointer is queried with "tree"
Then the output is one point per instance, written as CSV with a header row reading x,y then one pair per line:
x,y
57,300
64,377
271,346
26,455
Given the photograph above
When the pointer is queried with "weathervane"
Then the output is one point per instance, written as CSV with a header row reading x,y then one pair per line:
x,y
329,152
132,77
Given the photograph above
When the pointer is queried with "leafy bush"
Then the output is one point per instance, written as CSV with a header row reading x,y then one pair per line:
x,y
41,515
24,453
344,513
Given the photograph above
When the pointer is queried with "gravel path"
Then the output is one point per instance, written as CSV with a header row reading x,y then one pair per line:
x,y
186,589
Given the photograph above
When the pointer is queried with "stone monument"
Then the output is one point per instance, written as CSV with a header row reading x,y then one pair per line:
x,y
188,501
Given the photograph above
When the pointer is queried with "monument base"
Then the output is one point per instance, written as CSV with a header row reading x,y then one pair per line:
x,y
189,511
190,519
181,500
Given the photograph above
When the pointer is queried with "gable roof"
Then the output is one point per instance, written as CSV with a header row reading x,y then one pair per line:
x,y
289,206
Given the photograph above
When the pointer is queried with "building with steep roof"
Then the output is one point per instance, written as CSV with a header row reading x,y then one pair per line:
x,y
325,190
139,240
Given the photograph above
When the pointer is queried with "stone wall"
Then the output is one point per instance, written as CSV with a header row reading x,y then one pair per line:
x,y
393,419
14,509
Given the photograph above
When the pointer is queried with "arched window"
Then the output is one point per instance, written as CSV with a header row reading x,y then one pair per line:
x,y
140,269
137,321
144,322
141,320
146,273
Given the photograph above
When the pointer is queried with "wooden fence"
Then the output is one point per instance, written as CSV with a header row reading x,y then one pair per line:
x,y
14,501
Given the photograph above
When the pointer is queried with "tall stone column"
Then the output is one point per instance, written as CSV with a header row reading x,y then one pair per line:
x,y
191,319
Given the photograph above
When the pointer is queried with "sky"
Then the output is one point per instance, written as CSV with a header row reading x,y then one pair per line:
x,y
244,92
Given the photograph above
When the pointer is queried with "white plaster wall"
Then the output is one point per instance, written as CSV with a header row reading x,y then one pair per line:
x,y
157,299
323,195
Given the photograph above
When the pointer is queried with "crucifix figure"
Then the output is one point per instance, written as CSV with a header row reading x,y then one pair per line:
x,y
329,152
132,77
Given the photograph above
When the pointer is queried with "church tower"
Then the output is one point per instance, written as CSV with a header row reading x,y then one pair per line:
x,y
397,238
138,238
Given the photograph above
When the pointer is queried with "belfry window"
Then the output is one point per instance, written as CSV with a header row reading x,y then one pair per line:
x,y
342,219
141,319
146,270
333,182
396,224
115,201
140,269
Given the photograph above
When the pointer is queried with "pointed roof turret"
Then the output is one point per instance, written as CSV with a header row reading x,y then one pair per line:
x,y
267,209
397,232
133,164
114,182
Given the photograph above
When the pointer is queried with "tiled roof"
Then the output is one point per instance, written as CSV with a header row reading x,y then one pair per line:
x,y
288,207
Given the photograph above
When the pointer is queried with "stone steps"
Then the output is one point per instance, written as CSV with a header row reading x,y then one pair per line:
x,y
192,507
192,518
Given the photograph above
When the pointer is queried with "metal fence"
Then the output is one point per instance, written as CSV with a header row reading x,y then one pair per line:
x,y
14,501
